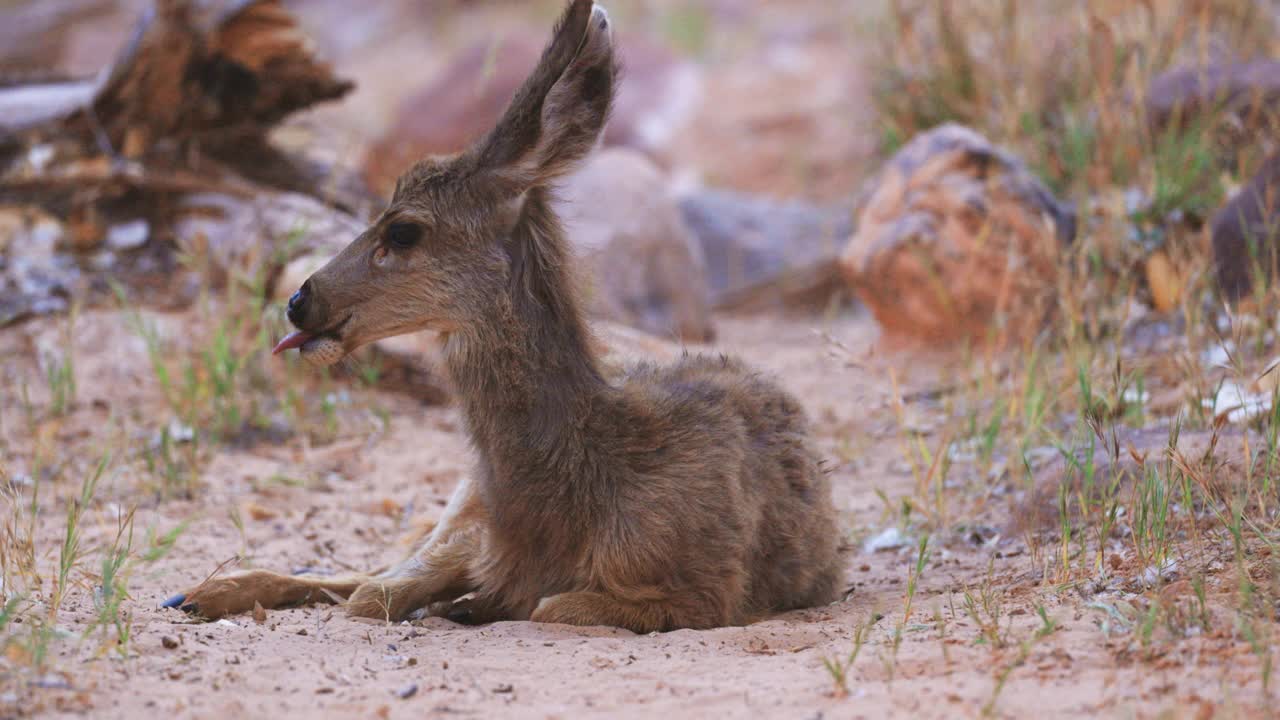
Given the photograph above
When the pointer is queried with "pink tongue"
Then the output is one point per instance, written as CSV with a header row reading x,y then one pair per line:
x,y
291,341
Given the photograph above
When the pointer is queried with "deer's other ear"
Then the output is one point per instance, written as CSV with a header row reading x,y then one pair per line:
x,y
557,115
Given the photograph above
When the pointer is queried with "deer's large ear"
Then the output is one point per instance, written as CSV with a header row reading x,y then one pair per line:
x,y
557,114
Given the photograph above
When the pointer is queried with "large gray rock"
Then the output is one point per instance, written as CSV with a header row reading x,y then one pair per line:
x,y
644,268
1244,89
1246,232
762,252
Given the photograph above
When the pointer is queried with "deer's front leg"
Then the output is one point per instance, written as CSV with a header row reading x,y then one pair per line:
x,y
239,592
440,569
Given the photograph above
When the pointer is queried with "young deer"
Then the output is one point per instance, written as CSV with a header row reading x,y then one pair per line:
x,y
676,497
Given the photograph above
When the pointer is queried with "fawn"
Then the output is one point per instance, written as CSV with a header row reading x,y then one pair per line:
x,y
676,497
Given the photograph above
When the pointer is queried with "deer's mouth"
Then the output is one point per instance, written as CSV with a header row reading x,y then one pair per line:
x,y
308,342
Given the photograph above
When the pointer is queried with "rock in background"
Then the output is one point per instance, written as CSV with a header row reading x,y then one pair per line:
x,y
469,95
1242,99
645,269
1246,233
766,253
958,239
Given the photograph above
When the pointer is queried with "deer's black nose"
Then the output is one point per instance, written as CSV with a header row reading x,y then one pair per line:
x,y
298,305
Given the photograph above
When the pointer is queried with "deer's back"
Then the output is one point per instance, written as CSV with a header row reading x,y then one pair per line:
x,y
721,468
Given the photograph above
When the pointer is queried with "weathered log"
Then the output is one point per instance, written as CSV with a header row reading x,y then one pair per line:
x,y
191,70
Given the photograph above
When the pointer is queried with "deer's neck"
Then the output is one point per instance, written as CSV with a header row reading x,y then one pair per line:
x,y
525,374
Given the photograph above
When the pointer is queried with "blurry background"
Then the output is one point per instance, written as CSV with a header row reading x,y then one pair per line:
x,y
1130,124
784,79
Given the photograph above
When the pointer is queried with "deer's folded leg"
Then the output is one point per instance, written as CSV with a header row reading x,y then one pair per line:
x,y
231,594
439,571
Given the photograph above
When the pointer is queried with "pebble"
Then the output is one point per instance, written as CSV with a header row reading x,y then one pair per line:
x,y
888,539
51,682
128,235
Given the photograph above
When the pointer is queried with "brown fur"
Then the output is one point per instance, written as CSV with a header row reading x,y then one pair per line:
x,y
681,496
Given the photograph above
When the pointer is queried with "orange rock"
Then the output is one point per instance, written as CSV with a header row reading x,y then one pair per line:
x,y
1164,280
957,240
390,508
259,512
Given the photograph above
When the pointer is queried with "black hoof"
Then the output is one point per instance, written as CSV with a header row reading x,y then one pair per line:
x,y
174,601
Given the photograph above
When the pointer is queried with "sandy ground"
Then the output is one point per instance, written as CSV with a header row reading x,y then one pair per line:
x,y
361,491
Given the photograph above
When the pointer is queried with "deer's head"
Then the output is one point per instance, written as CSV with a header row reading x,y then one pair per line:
x,y
446,247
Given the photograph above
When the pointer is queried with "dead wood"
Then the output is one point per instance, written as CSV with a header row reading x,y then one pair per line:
x,y
196,77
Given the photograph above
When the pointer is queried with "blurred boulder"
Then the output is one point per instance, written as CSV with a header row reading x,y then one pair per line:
x,y
644,267
762,252
35,279
1248,90
256,237
1219,456
1246,232
658,96
957,239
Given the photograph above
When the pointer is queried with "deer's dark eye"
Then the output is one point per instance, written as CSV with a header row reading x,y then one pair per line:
x,y
403,235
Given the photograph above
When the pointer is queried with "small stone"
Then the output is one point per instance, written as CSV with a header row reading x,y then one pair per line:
x,y
889,539
168,642
407,691
503,688
259,512
84,229
51,681
39,157
129,235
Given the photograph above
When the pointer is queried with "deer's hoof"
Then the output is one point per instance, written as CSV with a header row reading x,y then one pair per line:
x,y
179,602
